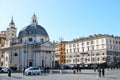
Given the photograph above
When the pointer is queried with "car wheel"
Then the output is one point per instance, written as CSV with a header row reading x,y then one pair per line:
x,y
38,73
2,71
29,73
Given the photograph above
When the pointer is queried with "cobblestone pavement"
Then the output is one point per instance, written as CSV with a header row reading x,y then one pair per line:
x,y
67,75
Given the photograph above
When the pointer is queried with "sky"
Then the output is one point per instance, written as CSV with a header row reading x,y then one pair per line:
x,y
66,19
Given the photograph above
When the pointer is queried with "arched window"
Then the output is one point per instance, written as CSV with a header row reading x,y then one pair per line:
x,y
21,40
15,54
42,40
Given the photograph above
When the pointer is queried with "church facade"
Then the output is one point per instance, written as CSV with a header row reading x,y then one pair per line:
x,y
31,47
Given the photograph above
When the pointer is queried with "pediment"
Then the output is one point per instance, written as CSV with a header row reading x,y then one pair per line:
x,y
47,44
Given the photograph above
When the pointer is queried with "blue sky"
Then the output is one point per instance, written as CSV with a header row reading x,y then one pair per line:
x,y
69,19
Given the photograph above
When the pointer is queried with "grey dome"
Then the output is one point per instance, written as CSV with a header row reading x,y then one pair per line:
x,y
33,30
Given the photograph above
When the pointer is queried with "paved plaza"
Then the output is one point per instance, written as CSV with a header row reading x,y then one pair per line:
x,y
67,75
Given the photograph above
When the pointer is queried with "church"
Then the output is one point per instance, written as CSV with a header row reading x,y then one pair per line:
x,y
32,46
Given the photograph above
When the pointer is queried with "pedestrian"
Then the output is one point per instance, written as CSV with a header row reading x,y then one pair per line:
x,y
99,72
23,70
80,69
94,69
9,73
77,68
74,71
103,72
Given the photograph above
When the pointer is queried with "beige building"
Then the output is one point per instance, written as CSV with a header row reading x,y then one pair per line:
x,y
60,53
93,50
31,47
2,38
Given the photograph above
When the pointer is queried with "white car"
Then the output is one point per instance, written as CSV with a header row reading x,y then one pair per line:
x,y
4,70
33,71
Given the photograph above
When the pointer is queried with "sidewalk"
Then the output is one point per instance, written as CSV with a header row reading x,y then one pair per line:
x,y
67,75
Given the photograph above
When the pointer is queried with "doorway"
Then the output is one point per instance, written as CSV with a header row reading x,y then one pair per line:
x,y
30,64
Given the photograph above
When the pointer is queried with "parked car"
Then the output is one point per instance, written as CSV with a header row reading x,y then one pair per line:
x,y
33,71
3,69
68,66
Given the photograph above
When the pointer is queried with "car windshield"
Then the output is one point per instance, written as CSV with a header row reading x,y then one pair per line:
x,y
32,68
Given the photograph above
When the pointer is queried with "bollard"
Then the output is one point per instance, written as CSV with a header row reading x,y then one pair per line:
x,y
60,71
50,71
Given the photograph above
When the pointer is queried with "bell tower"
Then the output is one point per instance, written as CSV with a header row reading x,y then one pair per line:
x,y
11,33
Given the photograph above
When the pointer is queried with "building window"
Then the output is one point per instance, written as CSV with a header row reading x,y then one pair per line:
x,y
96,41
6,58
110,40
103,46
87,43
88,59
110,46
107,40
93,59
77,49
92,42
103,53
104,59
113,41
30,39
92,47
21,40
12,34
42,40
83,49
78,60
82,44
88,48
70,50
102,40
15,54
70,56
73,45
97,54
70,46
2,55
98,59
97,46
1,63
74,49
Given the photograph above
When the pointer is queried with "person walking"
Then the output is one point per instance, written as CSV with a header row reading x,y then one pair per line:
x,y
23,70
103,72
94,69
99,72
9,73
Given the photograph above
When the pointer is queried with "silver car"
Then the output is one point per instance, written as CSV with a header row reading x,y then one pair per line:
x,y
4,69
33,71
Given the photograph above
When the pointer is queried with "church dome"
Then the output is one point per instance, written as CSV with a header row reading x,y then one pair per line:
x,y
33,29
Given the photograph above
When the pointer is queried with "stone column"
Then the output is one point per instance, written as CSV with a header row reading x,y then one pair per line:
x,y
53,58
50,59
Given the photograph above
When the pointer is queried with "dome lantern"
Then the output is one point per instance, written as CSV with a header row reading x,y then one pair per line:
x,y
33,29
34,20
